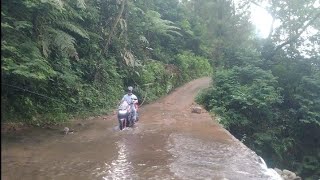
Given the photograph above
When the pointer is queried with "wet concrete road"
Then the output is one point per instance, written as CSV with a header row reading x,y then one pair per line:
x,y
169,142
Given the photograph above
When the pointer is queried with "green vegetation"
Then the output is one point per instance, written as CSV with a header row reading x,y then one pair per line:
x,y
75,57
268,94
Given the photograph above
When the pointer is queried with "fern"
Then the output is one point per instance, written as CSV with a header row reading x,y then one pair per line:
x,y
160,26
23,25
26,61
81,4
135,8
73,28
73,13
45,41
94,35
8,50
5,25
59,39
58,4
143,39
66,43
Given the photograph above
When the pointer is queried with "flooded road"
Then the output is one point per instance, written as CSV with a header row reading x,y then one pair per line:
x,y
169,142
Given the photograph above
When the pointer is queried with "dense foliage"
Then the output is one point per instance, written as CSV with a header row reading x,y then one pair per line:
x,y
268,95
62,58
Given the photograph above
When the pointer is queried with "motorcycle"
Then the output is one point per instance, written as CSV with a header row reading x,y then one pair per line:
x,y
125,115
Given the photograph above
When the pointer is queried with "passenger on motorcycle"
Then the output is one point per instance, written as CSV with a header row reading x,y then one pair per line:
x,y
131,99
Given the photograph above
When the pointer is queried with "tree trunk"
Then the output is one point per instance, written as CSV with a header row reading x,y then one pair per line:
x,y
114,26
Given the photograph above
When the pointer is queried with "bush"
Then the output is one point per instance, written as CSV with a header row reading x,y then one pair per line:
x,y
192,66
153,80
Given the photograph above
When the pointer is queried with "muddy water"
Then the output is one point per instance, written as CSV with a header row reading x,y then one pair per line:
x,y
169,142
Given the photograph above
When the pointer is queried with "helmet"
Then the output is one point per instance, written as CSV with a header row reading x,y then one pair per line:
x,y
130,88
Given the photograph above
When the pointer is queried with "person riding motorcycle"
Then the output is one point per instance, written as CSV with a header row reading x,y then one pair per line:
x,y
131,99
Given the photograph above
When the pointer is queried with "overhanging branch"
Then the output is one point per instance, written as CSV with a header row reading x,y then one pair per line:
x,y
303,28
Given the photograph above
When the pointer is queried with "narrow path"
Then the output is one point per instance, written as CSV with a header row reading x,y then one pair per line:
x,y
169,142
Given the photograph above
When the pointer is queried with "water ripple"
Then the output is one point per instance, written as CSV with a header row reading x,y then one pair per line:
x,y
120,168
199,159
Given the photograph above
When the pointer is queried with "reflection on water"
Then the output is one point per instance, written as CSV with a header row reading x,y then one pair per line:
x,y
120,168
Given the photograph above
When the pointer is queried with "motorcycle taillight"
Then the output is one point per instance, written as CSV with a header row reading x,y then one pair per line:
x,y
122,112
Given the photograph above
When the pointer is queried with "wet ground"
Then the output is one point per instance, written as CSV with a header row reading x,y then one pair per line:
x,y
169,142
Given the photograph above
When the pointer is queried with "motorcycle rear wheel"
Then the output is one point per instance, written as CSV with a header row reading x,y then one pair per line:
x,y
122,124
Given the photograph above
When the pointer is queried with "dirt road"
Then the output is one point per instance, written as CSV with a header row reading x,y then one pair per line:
x,y
169,142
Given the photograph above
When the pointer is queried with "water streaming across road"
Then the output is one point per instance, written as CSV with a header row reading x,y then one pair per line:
x,y
169,142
